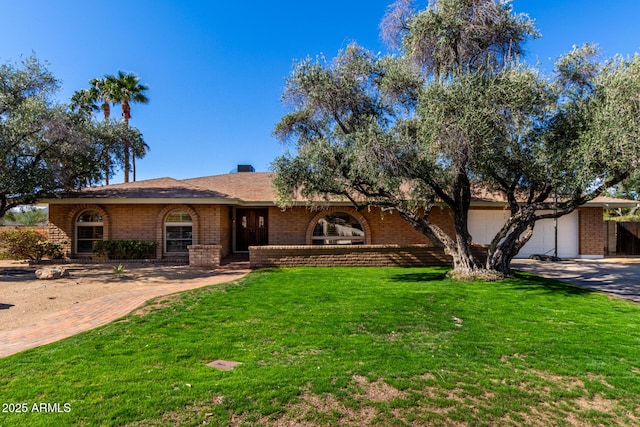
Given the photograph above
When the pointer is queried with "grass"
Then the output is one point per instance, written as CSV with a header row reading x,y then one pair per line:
x,y
345,346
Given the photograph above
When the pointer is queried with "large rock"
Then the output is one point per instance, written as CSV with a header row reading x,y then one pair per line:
x,y
51,273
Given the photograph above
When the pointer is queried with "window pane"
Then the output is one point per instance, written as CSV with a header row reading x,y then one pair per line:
x,y
90,216
178,245
179,232
90,232
178,237
178,216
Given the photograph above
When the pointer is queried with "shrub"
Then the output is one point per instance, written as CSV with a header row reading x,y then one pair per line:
x,y
28,244
125,249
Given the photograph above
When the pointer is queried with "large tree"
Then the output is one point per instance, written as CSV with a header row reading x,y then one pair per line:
x,y
122,144
43,146
452,111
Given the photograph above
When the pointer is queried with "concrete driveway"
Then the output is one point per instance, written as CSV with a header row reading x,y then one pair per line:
x,y
615,276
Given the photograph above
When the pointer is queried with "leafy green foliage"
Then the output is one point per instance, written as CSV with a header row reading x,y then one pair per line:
x,y
346,346
454,37
119,270
44,147
21,244
457,112
125,249
113,137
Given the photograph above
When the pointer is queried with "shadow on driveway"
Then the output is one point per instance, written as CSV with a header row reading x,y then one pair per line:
x,y
619,277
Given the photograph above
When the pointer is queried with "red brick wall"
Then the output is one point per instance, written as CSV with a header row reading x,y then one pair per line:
x,y
591,233
352,256
213,225
290,227
389,228
139,222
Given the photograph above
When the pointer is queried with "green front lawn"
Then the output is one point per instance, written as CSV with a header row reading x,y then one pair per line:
x,y
344,346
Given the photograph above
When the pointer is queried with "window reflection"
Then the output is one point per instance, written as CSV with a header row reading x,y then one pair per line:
x,y
338,229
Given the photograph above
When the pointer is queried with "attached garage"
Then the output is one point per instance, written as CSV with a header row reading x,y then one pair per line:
x,y
484,224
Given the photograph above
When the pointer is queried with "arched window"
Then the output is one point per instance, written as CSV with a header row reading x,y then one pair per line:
x,y
89,229
338,228
178,232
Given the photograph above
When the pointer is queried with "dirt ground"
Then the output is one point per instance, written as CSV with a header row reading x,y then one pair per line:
x,y
24,299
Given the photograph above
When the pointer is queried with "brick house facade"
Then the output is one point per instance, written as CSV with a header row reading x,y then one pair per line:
x,y
216,216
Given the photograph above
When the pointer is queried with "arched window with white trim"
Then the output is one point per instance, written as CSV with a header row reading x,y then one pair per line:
x,y
89,229
338,228
178,232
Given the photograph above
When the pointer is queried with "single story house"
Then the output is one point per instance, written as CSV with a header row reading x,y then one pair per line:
x,y
203,220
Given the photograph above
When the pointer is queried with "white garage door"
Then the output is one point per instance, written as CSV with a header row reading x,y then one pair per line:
x,y
484,224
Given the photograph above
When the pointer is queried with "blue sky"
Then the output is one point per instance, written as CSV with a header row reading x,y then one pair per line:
x,y
216,69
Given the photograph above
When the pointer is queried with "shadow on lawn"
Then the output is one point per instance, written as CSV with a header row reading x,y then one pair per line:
x,y
529,281
426,276
522,281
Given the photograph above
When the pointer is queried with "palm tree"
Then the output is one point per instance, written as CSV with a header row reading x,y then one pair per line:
x,y
126,90
84,101
103,89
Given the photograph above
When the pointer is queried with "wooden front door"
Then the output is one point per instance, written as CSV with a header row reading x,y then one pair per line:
x,y
252,228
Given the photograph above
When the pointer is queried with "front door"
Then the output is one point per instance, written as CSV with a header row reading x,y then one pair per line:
x,y
251,228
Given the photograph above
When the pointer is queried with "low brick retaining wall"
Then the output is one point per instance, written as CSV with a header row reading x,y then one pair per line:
x,y
204,255
352,256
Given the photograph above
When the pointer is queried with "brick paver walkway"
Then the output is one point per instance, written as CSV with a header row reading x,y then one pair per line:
x,y
99,311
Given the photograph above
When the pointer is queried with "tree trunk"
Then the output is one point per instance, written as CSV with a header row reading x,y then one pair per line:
x,y
126,162
126,114
500,259
464,264
107,167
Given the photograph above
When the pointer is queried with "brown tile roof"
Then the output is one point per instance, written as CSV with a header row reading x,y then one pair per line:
x,y
245,186
248,188
159,188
